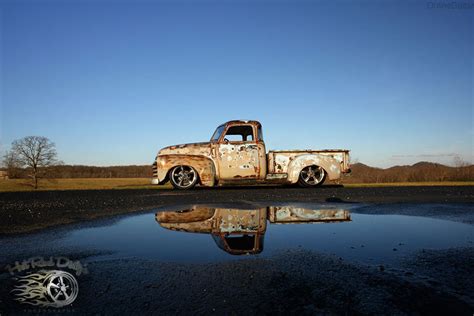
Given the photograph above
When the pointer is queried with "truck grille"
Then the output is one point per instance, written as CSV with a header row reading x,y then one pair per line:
x,y
155,170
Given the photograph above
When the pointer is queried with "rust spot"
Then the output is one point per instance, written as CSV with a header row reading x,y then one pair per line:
x,y
243,177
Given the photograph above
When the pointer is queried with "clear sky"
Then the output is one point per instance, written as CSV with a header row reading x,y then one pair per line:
x,y
110,83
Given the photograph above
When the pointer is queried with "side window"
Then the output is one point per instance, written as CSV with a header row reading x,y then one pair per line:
x,y
242,133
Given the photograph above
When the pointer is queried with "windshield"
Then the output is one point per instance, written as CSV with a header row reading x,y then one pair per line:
x,y
217,134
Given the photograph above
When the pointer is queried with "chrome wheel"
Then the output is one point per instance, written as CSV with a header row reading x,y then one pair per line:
x,y
62,288
183,177
312,176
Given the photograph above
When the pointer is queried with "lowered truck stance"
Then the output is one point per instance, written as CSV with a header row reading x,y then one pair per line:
x,y
236,155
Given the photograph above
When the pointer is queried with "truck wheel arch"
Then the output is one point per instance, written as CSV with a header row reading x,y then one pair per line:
x,y
330,165
204,167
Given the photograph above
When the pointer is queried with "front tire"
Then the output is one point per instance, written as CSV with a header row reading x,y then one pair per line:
x,y
312,176
183,177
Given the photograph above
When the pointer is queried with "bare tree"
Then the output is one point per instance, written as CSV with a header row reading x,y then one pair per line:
x,y
459,162
33,153
462,170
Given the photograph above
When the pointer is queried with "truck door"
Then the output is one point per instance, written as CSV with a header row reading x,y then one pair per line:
x,y
238,153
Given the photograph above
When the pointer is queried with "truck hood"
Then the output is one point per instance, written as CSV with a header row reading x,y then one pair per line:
x,y
187,149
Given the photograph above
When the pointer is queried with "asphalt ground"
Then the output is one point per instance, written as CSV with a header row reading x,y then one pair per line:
x,y
295,281
22,212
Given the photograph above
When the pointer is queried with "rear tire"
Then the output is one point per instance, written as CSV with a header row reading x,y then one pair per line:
x,y
183,177
311,176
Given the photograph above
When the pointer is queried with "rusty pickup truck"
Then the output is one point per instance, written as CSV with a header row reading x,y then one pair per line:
x,y
236,155
241,231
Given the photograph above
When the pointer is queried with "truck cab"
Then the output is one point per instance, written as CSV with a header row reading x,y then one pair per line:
x,y
239,151
236,154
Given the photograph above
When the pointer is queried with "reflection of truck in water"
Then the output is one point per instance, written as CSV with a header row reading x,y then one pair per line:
x,y
241,231
236,154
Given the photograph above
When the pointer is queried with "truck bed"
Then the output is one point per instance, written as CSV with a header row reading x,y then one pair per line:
x,y
310,151
278,160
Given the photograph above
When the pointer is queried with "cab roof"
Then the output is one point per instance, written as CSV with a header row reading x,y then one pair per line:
x,y
242,122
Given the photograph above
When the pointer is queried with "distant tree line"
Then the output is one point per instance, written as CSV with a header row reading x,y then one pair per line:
x,y
419,172
78,171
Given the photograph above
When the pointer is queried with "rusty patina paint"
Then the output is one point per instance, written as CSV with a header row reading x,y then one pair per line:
x,y
216,220
285,214
241,221
238,160
221,161
186,216
203,165
224,223
203,149
329,164
292,162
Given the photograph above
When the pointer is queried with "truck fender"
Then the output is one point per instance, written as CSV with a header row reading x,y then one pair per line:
x,y
203,165
330,165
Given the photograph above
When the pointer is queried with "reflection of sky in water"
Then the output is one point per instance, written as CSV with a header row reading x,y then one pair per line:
x,y
368,238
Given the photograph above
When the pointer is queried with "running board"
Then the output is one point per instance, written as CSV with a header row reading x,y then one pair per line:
x,y
276,176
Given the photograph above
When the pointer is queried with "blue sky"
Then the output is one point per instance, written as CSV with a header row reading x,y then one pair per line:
x,y
110,83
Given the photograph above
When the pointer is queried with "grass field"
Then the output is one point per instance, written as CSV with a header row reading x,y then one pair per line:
x,y
13,185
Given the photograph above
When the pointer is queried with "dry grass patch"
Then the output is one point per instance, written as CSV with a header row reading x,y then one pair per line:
x,y
13,185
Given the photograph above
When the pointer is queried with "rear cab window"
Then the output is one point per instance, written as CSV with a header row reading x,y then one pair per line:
x,y
239,133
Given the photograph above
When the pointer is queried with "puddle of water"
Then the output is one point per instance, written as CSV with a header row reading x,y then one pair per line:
x,y
206,234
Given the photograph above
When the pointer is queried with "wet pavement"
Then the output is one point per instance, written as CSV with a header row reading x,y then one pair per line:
x,y
30,211
224,238
327,228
